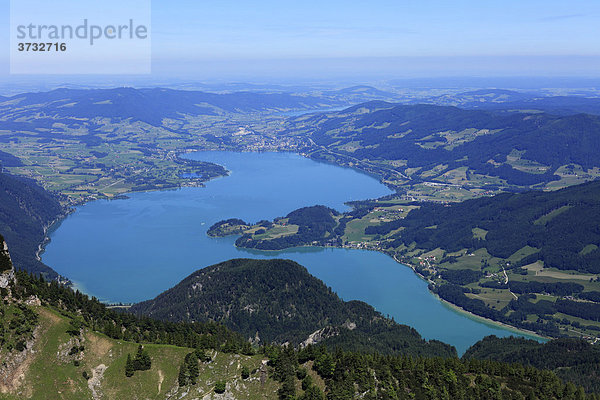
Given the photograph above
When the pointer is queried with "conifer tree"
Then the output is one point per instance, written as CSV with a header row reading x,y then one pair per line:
x,y
192,366
220,387
129,366
245,372
182,378
312,393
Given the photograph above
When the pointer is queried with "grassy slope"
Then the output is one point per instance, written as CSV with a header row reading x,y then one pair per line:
x,y
67,382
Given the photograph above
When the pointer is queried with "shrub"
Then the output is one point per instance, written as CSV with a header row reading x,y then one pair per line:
x,y
220,387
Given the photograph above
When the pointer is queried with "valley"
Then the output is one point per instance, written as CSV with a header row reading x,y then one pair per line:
x,y
386,200
123,263
441,154
105,143
457,207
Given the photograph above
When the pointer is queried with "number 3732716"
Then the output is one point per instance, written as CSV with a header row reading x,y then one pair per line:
x,y
41,46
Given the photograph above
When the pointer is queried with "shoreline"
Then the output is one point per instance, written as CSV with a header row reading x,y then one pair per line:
x,y
455,308
49,229
469,314
57,222
488,321
71,208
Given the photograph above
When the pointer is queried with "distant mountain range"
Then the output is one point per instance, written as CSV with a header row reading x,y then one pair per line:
x,y
513,101
279,301
147,105
421,141
151,106
483,96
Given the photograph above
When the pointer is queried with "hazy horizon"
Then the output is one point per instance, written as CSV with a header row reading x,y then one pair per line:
x,y
270,42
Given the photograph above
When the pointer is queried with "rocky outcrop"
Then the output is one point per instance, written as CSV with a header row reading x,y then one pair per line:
x,y
320,335
6,278
7,272
94,383
16,364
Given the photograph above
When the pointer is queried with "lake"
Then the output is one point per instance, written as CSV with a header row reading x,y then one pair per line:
x,y
132,249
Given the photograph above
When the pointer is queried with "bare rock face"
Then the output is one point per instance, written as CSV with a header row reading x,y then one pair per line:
x,y
6,276
320,335
94,383
14,367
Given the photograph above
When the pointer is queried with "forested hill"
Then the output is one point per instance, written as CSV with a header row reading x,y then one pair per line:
x,y
316,224
573,360
61,341
531,259
25,209
279,301
561,226
52,335
521,148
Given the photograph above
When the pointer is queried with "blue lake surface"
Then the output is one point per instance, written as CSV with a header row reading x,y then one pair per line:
x,y
133,249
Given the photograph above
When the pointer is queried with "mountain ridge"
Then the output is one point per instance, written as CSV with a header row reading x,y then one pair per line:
x,y
148,105
279,301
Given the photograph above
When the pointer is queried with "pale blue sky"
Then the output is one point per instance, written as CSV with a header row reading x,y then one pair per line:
x,y
241,39
377,28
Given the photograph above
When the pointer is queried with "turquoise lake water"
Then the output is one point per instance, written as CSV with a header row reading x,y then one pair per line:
x,y
133,249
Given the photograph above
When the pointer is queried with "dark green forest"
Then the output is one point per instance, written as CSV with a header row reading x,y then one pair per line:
x,y
119,325
573,360
279,301
219,228
5,262
349,375
25,209
315,225
560,224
